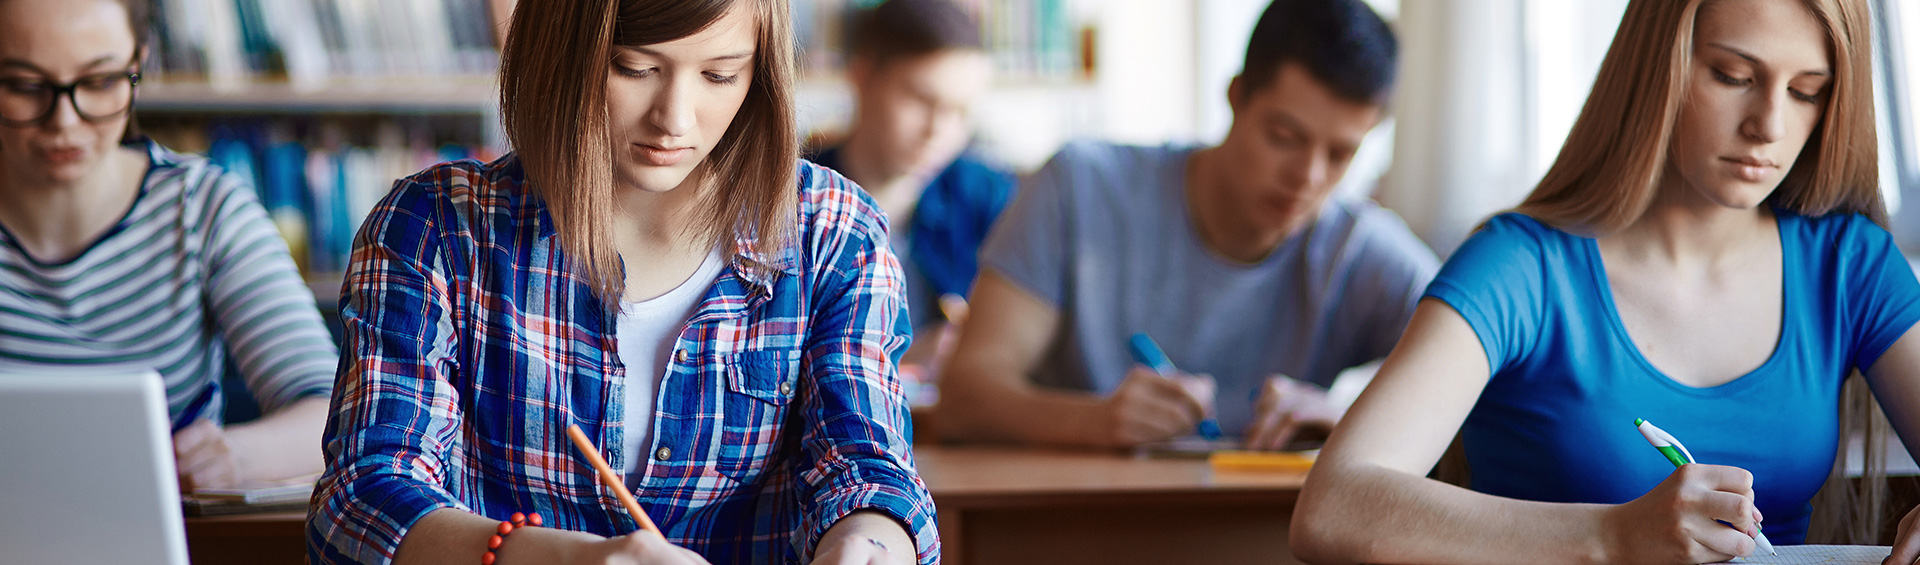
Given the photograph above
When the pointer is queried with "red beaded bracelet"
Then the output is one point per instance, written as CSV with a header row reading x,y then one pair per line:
x,y
517,520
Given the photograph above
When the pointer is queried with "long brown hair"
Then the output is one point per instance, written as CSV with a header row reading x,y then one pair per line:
x,y
1608,171
553,100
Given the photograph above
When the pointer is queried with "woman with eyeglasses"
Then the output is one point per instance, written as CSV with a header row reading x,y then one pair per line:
x,y
119,254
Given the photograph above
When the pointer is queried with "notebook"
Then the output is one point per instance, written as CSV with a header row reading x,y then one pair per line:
x,y
298,490
279,496
1195,447
1822,554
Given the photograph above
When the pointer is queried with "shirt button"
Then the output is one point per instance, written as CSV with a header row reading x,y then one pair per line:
x,y
663,454
680,356
786,388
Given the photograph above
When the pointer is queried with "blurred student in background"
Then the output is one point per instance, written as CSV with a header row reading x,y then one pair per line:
x,y
1706,253
916,67
116,253
1232,257
655,265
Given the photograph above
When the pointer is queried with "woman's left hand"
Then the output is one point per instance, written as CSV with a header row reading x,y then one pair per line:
x,y
865,538
1906,544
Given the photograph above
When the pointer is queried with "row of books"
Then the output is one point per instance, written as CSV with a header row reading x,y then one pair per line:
x,y
316,184
1027,39
314,43
1034,38
311,43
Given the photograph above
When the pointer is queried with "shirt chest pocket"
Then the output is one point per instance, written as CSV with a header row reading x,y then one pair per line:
x,y
758,399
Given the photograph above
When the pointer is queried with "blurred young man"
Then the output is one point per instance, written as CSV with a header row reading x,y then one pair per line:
x,y
1231,257
916,66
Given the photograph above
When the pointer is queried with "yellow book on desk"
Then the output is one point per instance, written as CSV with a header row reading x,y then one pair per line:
x,y
1273,461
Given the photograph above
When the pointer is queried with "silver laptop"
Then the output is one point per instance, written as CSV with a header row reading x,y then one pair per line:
x,y
86,470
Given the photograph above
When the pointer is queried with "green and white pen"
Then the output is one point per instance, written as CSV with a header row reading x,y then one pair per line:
x,y
1678,454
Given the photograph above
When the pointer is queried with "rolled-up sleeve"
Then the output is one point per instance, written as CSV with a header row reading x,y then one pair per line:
x,y
857,452
395,413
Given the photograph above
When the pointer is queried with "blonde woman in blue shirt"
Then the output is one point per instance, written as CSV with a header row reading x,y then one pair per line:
x,y
1707,253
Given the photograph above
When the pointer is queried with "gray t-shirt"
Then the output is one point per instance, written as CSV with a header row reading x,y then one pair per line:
x,y
1103,234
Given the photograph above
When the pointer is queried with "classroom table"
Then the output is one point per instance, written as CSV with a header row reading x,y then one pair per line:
x,y
1012,505
998,505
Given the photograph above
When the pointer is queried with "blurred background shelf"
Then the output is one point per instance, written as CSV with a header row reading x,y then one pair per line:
x,y
448,95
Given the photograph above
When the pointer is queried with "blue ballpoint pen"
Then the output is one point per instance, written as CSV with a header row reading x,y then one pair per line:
x,y
1678,454
1148,353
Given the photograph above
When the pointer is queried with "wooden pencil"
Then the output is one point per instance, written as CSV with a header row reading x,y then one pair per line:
x,y
611,479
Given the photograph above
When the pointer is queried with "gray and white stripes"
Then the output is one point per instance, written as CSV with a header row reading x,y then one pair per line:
x,y
194,271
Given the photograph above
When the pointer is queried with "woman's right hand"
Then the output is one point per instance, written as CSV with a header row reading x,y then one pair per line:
x,y
1679,521
638,548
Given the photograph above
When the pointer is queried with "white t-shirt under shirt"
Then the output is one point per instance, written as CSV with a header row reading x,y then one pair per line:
x,y
647,332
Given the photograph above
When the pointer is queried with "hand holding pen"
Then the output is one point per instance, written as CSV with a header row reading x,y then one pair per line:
x,y
1200,387
1149,406
1699,514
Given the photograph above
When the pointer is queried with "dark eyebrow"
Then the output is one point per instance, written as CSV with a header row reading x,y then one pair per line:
x,y
1756,60
11,62
731,57
20,64
1283,119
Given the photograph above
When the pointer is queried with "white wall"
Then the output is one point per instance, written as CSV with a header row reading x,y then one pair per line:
x,y
1145,71
1488,89
1459,147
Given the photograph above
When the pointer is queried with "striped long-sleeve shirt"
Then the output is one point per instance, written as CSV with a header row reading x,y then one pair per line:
x,y
470,346
192,273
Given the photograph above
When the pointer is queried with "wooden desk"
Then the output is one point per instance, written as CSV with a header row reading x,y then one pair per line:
x,y
265,539
998,505
1012,505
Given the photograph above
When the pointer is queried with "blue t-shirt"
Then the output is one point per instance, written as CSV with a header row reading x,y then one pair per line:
x,y
1555,422
1103,234
939,246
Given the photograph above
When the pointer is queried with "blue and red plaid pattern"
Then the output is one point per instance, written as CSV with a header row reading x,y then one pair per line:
x,y
469,347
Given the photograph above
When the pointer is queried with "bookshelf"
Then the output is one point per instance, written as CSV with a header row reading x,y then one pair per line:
x,y
455,94
321,104
475,96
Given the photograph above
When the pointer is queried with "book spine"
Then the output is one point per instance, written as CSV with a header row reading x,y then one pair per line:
x,y
226,64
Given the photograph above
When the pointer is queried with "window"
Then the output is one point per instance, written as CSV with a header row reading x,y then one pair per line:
x,y
1896,61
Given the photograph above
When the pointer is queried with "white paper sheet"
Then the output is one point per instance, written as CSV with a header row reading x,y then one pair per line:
x,y
1822,554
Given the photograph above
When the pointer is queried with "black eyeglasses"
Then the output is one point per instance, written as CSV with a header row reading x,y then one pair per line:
x,y
27,102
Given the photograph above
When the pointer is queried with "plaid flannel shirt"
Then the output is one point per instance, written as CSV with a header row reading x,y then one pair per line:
x,y
470,346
